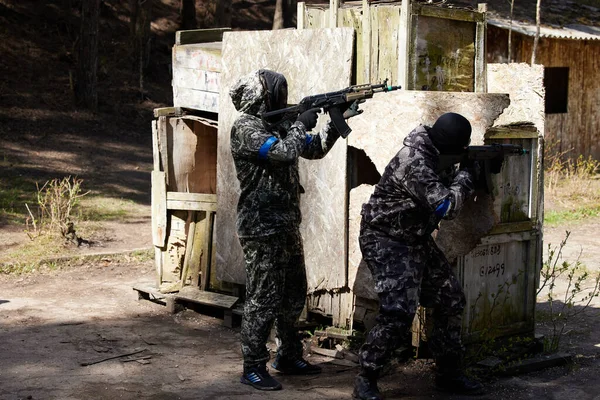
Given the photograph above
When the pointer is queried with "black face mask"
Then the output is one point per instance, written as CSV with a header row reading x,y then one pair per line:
x,y
451,133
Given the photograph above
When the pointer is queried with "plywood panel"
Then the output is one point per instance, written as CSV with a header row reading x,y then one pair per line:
x,y
525,85
298,55
389,117
498,281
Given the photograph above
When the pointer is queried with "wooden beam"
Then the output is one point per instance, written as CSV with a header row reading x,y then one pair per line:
x,y
206,254
366,44
404,36
301,15
334,7
159,209
191,201
447,13
200,36
481,51
167,112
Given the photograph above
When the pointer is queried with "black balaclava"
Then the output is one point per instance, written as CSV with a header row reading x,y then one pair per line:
x,y
451,133
275,86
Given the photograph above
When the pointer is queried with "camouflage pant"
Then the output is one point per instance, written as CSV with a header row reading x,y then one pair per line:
x,y
406,275
275,292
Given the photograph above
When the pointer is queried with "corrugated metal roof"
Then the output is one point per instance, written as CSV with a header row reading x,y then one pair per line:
x,y
575,31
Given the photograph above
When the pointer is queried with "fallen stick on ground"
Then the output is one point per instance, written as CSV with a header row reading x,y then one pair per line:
x,y
84,364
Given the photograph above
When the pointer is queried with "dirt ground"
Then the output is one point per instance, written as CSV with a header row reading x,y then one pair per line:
x,y
52,322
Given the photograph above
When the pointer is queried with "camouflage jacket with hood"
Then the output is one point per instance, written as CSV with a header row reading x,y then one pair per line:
x,y
266,159
411,198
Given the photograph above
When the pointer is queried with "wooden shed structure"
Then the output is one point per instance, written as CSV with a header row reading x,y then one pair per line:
x,y
408,44
571,60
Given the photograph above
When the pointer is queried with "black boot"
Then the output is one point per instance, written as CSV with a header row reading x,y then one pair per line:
x,y
451,377
365,387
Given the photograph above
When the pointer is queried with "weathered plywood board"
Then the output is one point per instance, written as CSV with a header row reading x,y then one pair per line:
x,y
298,55
525,84
381,138
389,117
499,284
196,76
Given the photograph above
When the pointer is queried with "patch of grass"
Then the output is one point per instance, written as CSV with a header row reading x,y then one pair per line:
x,y
97,208
26,258
15,191
557,218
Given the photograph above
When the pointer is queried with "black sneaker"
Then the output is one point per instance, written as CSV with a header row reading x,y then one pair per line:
x,y
459,384
259,378
296,366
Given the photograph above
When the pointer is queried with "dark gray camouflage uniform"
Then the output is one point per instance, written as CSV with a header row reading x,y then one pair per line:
x,y
268,219
407,266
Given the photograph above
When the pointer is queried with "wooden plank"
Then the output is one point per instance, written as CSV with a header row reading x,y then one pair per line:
x,y
447,13
196,79
167,112
159,208
163,146
334,8
191,205
301,15
519,132
197,248
512,227
404,37
200,35
481,52
155,150
158,264
207,253
363,52
202,56
188,247
196,99
195,295
195,197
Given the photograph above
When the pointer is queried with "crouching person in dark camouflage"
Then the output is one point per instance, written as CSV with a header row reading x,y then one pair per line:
x,y
268,219
407,266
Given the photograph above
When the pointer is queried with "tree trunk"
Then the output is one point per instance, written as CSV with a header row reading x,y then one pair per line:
x,y
86,94
188,14
140,38
537,32
133,10
223,14
285,14
278,18
512,5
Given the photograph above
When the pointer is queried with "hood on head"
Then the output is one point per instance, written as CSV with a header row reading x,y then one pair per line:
x,y
258,92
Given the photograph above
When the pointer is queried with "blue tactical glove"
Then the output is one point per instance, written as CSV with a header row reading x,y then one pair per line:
x,y
309,118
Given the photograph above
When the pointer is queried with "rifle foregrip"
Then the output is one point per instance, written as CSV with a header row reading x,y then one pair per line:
x,y
338,121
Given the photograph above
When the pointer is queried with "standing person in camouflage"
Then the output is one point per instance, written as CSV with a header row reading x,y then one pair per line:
x,y
408,268
268,220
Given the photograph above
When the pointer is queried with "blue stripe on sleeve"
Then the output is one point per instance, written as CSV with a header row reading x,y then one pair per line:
x,y
442,209
264,149
308,140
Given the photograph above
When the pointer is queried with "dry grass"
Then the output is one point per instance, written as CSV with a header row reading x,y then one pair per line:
x,y
572,188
